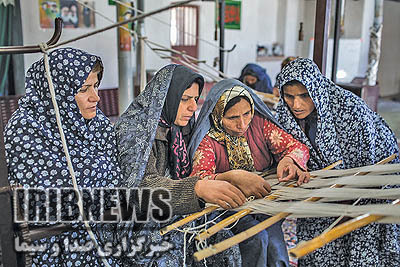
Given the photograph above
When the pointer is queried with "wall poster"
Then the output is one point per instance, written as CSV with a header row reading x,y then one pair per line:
x,y
73,14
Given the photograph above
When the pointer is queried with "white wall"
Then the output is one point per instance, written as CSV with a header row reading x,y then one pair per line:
x,y
103,44
389,66
157,29
207,51
262,22
353,18
293,16
256,28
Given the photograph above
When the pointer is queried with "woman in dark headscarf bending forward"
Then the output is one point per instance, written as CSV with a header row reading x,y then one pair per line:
x,y
153,134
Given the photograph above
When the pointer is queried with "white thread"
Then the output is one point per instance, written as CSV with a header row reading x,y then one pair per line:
x,y
44,47
194,231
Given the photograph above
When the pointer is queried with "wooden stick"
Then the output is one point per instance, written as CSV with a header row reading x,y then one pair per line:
x,y
306,247
214,249
188,219
233,218
193,217
267,96
227,243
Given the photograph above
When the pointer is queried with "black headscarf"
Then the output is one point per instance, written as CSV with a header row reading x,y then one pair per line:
x,y
179,161
136,128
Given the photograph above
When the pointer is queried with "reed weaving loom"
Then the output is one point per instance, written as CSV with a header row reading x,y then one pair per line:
x,y
318,198
10,231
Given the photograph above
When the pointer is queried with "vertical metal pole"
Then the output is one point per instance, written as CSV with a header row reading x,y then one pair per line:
x,y
336,38
374,52
221,34
18,60
125,79
139,49
321,33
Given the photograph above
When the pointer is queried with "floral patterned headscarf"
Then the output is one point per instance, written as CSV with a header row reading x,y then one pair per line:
x,y
34,151
239,154
347,129
204,124
32,138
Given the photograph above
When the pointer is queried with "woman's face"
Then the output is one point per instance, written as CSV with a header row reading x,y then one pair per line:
x,y
250,79
87,96
298,100
188,105
237,119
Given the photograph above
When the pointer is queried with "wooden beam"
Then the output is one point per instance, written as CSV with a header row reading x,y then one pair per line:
x,y
221,35
321,32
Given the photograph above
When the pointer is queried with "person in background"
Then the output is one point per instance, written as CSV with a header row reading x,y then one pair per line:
x,y
256,77
337,125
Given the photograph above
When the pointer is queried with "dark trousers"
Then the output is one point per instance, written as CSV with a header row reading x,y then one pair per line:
x,y
267,248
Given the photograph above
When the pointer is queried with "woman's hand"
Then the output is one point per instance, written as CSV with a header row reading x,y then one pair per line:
x,y
288,170
249,183
220,193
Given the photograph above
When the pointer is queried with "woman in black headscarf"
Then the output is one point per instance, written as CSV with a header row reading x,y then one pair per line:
x,y
153,134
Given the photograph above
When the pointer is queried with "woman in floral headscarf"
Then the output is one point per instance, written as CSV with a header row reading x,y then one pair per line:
x,y
153,134
337,125
234,136
34,151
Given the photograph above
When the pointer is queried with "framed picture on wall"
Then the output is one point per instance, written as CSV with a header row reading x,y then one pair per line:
x,y
233,10
73,14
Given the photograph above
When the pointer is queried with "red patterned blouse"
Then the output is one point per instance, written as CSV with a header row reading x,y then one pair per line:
x,y
268,145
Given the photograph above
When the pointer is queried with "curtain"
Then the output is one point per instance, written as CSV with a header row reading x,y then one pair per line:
x,y
6,77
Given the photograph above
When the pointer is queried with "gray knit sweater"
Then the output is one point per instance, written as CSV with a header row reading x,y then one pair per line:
x,y
183,197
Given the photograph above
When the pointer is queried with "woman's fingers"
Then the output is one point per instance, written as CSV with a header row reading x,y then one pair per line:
x,y
263,189
287,173
230,201
292,172
304,177
236,195
301,177
223,204
257,194
279,173
267,186
307,179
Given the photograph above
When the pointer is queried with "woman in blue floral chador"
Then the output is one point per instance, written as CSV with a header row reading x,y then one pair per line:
x,y
34,151
337,125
